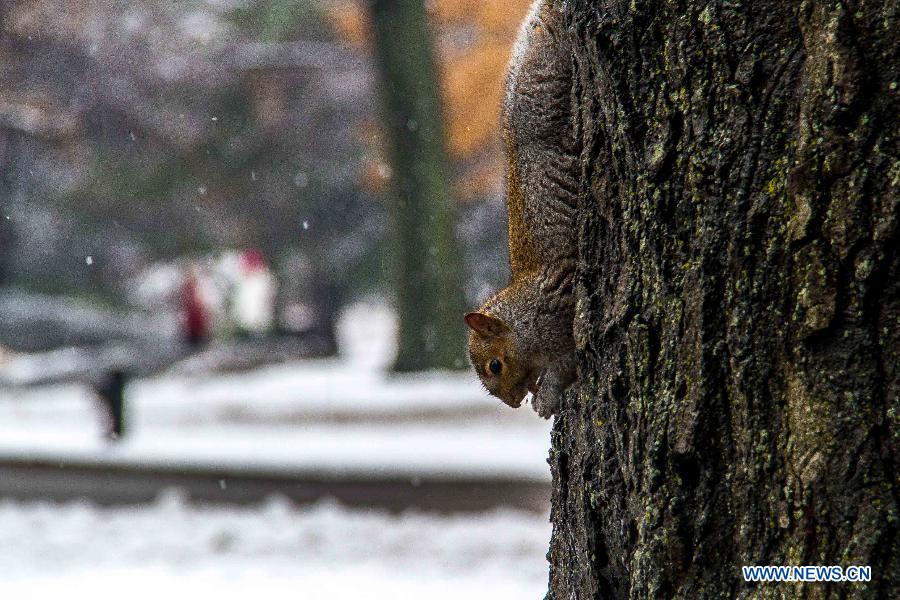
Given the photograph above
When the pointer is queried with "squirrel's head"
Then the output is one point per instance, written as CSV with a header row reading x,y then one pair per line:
x,y
498,359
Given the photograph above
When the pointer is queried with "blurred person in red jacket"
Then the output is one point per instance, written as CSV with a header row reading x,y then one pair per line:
x,y
195,313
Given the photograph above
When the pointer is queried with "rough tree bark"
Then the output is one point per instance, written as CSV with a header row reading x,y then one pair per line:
x,y
738,319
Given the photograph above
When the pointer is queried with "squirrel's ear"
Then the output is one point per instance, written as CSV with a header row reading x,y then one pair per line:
x,y
486,325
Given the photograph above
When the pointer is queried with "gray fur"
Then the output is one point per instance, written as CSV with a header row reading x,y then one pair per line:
x,y
541,144
539,129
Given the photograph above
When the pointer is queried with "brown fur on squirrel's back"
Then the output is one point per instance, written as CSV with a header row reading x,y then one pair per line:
x,y
542,159
523,334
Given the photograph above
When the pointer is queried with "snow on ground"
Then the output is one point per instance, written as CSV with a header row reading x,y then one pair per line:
x,y
342,417
178,550
445,451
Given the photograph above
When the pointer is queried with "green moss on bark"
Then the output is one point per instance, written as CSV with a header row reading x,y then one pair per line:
x,y
738,320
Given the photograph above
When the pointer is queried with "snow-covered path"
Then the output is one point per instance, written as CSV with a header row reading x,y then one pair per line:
x,y
323,552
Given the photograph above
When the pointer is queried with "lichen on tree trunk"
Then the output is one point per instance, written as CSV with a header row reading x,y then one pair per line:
x,y
738,318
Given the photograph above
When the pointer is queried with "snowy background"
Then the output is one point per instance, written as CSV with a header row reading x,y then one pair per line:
x,y
338,417
275,550
148,151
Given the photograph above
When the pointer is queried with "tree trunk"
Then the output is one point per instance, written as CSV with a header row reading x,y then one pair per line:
x,y
738,319
7,189
427,261
7,166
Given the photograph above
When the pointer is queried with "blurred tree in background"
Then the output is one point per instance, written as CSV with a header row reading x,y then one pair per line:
x,y
428,264
473,43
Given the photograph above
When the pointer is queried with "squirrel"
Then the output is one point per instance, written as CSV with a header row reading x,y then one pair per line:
x,y
521,339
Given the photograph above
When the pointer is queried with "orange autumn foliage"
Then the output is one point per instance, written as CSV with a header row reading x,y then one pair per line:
x,y
472,41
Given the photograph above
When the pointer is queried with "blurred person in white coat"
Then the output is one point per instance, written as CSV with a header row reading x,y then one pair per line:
x,y
253,303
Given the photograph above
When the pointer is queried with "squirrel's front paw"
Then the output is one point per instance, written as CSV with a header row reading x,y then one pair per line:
x,y
544,403
550,390
553,384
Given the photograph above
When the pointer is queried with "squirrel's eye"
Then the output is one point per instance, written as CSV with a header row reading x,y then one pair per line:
x,y
495,366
